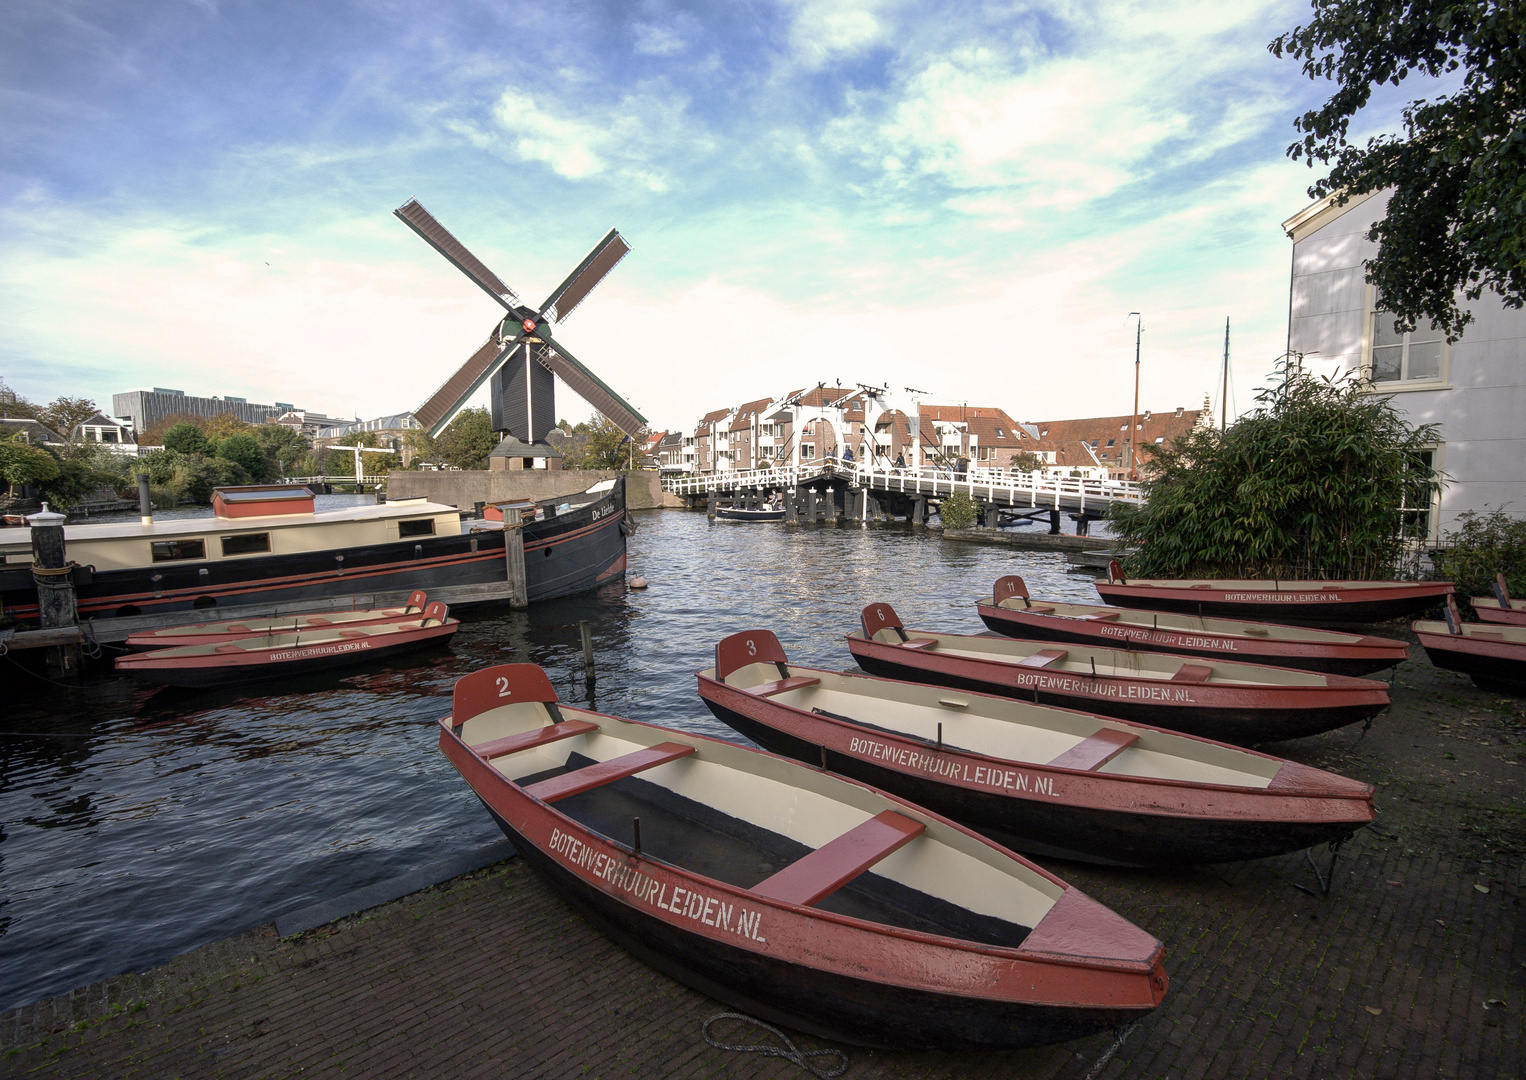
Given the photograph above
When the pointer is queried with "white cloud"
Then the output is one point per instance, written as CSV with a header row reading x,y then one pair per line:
x,y
567,145
653,40
822,30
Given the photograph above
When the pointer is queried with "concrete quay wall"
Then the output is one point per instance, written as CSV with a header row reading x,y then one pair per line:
x,y
464,488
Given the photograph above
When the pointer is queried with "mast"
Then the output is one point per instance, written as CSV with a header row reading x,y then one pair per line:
x,y
1224,394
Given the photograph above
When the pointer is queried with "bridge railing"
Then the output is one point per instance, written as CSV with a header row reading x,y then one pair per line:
x,y
1016,489
348,478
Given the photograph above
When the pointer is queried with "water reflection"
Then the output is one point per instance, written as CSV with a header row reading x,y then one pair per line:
x,y
162,820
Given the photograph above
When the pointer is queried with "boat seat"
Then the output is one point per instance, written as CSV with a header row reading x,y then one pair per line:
x,y
779,686
607,772
353,633
1096,750
920,643
1199,586
1043,658
1102,616
238,626
1258,631
1487,635
1192,673
525,740
813,877
229,648
317,620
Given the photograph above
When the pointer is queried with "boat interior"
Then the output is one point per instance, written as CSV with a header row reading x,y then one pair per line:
x,y
1505,632
1165,620
436,614
417,602
1258,585
1015,732
773,827
1080,660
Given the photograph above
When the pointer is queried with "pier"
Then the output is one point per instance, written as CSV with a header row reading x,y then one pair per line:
x,y
836,488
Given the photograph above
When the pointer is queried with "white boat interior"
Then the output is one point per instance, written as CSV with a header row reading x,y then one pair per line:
x,y
1013,731
1260,585
1165,620
1117,663
753,821
287,639
1506,632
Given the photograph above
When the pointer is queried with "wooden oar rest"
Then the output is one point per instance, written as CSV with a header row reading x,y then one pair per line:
x,y
526,740
1096,751
1193,673
812,878
779,686
607,772
1043,658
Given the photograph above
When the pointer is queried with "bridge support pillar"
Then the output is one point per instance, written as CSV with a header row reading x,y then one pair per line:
x,y
919,510
992,517
710,506
811,509
792,506
1054,523
872,509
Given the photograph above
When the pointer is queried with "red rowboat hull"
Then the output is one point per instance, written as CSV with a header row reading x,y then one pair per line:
x,y
1364,657
158,639
1328,604
1243,715
229,669
1495,664
1065,813
1490,611
812,970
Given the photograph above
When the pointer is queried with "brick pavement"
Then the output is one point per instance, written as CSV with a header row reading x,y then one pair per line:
x,y
1415,966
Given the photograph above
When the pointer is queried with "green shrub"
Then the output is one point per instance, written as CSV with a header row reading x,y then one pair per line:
x,y
1484,545
1310,484
958,511
243,450
187,438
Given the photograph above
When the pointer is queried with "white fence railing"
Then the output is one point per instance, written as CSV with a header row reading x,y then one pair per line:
x,y
348,478
1013,489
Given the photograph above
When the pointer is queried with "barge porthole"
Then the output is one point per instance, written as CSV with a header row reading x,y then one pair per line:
x,y
204,602
127,611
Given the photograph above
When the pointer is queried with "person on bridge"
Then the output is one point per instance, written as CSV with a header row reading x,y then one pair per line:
x,y
900,461
847,454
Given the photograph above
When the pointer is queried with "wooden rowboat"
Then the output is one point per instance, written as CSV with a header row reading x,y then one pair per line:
x,y
216,633
1492,654
744,513
1281,601
1239,703
272,656
1500,608
1010,611
1045,781
801,897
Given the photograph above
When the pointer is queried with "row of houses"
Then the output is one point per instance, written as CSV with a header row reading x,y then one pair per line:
x,y
869,425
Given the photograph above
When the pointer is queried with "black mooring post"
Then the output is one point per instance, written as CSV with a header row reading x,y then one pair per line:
x,y
1054,523
145,502
587,635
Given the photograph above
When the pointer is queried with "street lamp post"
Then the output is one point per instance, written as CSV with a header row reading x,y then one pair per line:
x,y
1134,424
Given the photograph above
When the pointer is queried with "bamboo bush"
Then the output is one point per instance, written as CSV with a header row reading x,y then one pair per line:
x,y
1481,546
1311,484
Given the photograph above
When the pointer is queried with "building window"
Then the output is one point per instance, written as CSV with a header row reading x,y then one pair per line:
x,y
1413,357
246,544
1419,520
807,451
175,550
416,527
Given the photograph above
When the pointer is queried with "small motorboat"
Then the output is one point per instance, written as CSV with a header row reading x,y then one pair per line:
x,y
1010,611
1281,601
1492,654
743,513
1045,781
271,656
1500,608
215,633
807,899
1238,703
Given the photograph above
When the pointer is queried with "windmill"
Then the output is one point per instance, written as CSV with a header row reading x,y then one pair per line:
x,y
520,356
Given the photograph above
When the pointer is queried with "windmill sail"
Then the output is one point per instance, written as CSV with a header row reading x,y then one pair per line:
x,y
438,237
444,403
598,262
591,389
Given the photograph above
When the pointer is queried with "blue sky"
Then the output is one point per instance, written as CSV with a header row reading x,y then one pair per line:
x,y
963,198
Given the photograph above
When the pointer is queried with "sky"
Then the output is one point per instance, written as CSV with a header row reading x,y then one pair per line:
x,y
963,199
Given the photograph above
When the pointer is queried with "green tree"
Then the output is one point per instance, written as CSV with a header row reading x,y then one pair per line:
x,y
1311,484
22,464
958,511
468,440
63,414
187,438
1481,546
243,450
598,444
1456,221
283,447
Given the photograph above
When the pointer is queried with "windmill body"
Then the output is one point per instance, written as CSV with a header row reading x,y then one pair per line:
x,y
521,358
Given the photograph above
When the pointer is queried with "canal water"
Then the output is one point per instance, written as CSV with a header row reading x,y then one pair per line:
x,y
138,823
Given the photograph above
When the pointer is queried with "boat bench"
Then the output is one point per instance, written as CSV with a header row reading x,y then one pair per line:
x,y
525,740
318,620
779,686
812,878
353,633
1095,751
1102,616
1487,635
607,772
1193,673
919,643
1043,658
238,627
229,648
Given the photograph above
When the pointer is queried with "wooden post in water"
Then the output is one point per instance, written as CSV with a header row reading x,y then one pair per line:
x,y
514,557
587,635
57,605
710,504
1054,523
792,506
919,510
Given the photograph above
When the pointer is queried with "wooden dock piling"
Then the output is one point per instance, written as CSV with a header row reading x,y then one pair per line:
x,y
514,557
57,605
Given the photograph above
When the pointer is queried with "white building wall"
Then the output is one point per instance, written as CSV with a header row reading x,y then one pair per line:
x,y
1480,399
